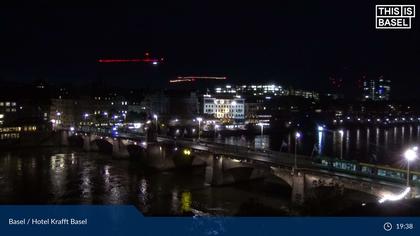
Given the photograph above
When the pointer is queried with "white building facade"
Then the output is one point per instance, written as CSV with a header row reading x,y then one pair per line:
x,y
225,109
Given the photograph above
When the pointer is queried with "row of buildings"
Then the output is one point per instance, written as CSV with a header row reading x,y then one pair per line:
x,y
376,89
42,106
38,106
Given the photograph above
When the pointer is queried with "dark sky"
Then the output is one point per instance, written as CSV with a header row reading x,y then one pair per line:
x,y
295,42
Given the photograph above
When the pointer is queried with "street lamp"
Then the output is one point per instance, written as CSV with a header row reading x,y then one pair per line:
x,y
410,155
320,128
341,132
297,136
199,119
58,118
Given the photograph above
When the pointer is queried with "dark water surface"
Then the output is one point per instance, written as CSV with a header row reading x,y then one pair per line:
x,y
71,176
378,145
65,176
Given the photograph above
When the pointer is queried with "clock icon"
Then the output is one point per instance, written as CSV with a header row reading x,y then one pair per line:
x,y
387,226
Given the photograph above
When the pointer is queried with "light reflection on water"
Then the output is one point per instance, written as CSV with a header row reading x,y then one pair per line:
x,y
66,177
382,145
58,176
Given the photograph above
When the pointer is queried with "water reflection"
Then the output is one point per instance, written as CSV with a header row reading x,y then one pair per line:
x,y
186,202
53,176
356,143
347,142
320,141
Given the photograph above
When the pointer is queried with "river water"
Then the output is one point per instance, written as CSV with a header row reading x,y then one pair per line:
x,y
72,176
378,145
66,176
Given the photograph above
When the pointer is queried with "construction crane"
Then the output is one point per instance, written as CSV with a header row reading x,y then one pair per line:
x,y
146,59
181,79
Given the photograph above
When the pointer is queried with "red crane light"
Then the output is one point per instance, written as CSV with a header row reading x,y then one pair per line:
x,y
130,60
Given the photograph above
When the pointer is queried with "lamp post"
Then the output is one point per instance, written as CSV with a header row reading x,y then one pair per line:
x,y
58,118
297,136
199,119
341,132
410,155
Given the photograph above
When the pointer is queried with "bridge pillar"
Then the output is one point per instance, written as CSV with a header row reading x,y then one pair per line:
x,y
222,170
296,180
214,170
119,149
298,188
86,143
64,138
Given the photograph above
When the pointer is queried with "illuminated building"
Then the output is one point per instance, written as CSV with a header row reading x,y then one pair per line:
x,y
376,89
172,103
226,109
194,83
256,110
256,90
14,132
7,109
100,108
264,90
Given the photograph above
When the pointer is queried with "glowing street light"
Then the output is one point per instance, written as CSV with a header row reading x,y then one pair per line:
x,y
297,137
410,155
320,128
199,119
58,121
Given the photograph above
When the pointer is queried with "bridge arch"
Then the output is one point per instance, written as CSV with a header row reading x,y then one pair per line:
x,y
101,145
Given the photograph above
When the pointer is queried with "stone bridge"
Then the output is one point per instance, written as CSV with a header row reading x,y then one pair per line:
x,y
223,168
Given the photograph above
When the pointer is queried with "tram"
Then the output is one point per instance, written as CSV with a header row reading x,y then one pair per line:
x,y
369,170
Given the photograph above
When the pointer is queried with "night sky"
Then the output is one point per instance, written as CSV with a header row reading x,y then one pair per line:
x,y
293,43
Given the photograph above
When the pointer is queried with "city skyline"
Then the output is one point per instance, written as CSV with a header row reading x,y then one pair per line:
x,y
271,43
200,109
